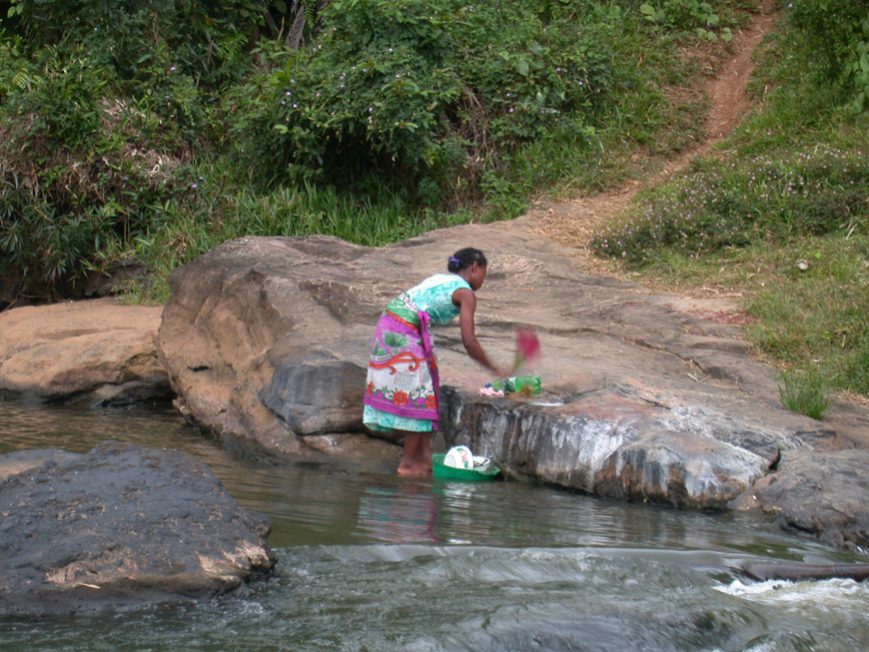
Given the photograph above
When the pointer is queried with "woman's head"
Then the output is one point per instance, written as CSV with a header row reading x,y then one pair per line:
x,y
470,264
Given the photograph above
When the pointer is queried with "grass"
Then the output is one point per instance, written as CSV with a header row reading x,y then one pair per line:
x,y
805,393
778,216
190,231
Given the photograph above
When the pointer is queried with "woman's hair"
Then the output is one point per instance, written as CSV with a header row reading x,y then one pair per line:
x,y
465,258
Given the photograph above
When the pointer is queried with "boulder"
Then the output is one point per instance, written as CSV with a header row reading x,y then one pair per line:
x,y
119,527
261,345
96,352
823,494
648,396
612,443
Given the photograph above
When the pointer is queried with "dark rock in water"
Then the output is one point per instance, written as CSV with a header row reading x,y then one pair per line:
x,y
797,572
821,493
119,527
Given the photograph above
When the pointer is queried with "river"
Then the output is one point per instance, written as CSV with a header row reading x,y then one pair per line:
x,y
371,562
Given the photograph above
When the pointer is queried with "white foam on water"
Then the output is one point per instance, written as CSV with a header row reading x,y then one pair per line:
x,y
823,595
763,647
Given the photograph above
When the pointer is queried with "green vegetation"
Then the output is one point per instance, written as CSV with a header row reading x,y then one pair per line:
x,y
805,393
779,213
157,129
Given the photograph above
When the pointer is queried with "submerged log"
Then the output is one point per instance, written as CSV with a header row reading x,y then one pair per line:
x,y
797,571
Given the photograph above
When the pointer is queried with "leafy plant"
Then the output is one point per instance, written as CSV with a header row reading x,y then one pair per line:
x,y
838,31
687,14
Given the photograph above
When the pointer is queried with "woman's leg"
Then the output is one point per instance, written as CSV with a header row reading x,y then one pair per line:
x,y
416,457
426,451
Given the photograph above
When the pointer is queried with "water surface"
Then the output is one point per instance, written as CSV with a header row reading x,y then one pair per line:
x,y
371,562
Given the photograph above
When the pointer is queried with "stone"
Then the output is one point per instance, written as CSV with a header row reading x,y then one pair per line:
x,y
96,352
648,396
121,526
317,395
820,493
610,444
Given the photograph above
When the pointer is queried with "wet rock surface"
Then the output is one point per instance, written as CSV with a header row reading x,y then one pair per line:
x,y
613,443
121,526
823,494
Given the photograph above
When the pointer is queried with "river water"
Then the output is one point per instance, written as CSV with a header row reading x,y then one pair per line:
x,y
371,562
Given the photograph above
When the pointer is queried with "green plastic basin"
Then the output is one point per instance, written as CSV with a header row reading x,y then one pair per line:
x,y
443,472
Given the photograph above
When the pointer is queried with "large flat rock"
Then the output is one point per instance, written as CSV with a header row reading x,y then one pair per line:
x,y
648,396
120,526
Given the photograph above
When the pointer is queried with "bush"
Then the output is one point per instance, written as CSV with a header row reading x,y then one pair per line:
x,y
76,170
838,31
387,93
733,204
698,15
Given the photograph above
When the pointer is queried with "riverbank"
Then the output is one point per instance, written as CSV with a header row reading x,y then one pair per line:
x,y
649,396
357,552
654,396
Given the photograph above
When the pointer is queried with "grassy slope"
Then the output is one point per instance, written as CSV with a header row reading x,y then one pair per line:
x,y
795,248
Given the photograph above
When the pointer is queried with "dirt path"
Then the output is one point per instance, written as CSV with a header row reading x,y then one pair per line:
x,y
573,223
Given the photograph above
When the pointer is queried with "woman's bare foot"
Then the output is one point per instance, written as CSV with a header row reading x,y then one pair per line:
x,y
414,471
415,461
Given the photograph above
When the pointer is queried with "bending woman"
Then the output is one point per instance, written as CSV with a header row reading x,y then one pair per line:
x,y
402,391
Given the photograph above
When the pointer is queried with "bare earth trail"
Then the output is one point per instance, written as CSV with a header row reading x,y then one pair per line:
x,y
573,223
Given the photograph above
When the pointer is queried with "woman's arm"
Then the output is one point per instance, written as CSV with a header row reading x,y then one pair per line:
x,y
467,302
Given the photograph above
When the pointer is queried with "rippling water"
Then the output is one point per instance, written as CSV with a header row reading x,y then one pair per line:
x,y
371,562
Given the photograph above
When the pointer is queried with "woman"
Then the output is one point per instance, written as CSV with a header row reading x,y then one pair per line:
x,y
402,391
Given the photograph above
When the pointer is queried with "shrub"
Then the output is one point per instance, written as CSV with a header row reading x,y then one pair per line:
x,y
387,92
838,31
76,172
732,204
698,15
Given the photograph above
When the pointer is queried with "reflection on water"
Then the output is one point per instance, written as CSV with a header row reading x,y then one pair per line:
x,y
368,561
399,514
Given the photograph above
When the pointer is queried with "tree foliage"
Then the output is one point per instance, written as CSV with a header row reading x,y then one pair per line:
x,y
116,114
387,91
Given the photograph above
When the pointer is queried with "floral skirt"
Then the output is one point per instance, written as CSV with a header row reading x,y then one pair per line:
x,y
401,393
